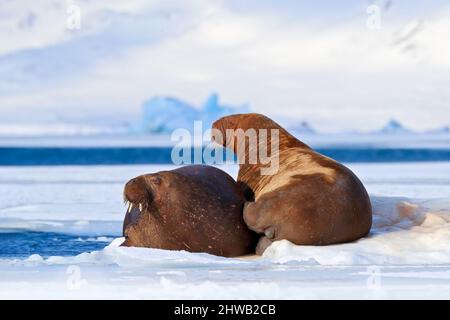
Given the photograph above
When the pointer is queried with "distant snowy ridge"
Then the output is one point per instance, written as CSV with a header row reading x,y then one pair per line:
x,y
166,114
163,114
445,129
57,129
393,127
303,127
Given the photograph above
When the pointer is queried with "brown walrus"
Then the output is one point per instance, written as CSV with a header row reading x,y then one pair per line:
x,y
310,200
194,208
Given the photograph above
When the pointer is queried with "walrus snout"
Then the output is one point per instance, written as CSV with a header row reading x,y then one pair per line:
x,y
218,132
223,130
138,192
259,223
252,219
138,195
230,122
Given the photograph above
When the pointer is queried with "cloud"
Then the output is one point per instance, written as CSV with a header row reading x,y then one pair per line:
x,y
334,73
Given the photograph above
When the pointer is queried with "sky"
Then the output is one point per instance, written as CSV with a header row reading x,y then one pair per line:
x,y
352,64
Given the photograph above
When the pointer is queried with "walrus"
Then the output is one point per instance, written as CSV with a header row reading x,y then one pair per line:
x,y
196,208
309,200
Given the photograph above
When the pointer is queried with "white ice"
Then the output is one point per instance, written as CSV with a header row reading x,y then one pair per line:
x,y
406,255
73,136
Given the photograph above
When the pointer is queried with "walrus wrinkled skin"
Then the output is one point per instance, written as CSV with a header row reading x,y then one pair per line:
x,y
310,200
194,208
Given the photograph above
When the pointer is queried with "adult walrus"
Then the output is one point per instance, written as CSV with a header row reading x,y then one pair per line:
x,y
195,208
309,200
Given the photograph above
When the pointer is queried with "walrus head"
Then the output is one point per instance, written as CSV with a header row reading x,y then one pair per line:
x,y
245,121
142,196
225,129
196,208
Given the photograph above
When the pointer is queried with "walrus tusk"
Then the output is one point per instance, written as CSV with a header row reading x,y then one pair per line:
x,y
130,207
140,207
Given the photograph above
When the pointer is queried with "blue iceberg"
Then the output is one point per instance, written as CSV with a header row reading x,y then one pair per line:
x,y
165,114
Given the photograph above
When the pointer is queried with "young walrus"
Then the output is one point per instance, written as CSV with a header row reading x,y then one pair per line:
x,y
194,208
305,197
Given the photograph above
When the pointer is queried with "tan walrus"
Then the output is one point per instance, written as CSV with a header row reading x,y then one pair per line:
x,y
309,200
194,208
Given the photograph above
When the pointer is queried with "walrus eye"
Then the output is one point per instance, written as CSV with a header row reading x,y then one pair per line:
x,y
156,180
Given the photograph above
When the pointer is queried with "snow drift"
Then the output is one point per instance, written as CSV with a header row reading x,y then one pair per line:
x,y
405,232
408,246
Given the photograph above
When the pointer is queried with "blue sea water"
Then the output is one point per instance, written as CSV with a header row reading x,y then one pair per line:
x,y
24,244
31,156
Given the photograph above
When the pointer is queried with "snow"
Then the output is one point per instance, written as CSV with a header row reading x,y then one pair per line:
x,y
30,136
406,252
404,233
129,140
126,52
445,130
58,130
